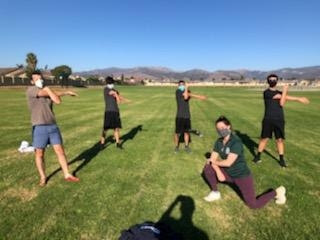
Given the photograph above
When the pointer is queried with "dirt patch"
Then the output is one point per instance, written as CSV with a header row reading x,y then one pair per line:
x,y
22,194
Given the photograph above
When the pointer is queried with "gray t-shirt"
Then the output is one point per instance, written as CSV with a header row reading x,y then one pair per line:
x,y
111,102
183,110
40,108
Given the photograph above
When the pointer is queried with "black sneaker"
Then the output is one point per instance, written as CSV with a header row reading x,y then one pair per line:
x,y
282,163
118,145
187,149
256,159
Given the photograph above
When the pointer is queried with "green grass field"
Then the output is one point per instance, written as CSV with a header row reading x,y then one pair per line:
x,y
121,188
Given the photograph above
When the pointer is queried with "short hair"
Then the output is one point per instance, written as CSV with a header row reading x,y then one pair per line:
x,y
181,81
109,80
36,72
224,120
272,76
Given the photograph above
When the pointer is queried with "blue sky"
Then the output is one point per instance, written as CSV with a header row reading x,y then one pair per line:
x,y
182,35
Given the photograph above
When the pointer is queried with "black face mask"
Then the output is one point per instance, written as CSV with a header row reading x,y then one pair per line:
x,y
272,83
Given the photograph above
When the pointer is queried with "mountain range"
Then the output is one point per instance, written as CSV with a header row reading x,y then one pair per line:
x,y
163,73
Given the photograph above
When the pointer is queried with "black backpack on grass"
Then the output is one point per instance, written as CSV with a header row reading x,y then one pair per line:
x,y
149,231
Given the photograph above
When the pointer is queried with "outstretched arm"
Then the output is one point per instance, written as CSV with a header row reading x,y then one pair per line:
x,y
281,97
124,100
47,92
200,97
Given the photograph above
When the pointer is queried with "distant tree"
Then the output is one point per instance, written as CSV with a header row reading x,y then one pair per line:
x,y
19,66
31,61
213,79
122,79
62,73
46,67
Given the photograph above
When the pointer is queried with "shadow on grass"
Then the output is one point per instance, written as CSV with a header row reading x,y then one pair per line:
x,y
252,145
131,134
183,225
86,156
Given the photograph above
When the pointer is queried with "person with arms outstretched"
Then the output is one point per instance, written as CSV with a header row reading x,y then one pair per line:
x,y
273,120
112,118
44,128
183,116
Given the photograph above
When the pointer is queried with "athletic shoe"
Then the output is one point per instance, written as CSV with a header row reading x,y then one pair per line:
x,y
72,179
187,149
256,159
213,196
282,163
118,145
281,195
176,149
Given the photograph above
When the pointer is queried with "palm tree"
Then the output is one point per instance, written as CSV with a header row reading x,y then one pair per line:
x,y
31,61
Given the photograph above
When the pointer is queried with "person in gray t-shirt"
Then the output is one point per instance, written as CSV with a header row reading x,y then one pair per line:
x,y
183,117
44,128
111,115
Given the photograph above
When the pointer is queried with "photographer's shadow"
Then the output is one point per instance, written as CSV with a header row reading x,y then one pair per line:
x,y
183,225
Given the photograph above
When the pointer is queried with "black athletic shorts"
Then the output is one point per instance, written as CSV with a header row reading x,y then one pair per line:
x,y
270,126
111,120
183,125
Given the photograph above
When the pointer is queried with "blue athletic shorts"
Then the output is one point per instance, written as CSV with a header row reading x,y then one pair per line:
x,y
42,135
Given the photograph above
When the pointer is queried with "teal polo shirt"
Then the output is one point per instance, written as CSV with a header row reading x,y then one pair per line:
x,y
239,168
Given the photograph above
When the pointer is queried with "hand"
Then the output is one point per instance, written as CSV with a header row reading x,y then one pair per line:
x,y
213,162
304,100
285,87
202,97
71,93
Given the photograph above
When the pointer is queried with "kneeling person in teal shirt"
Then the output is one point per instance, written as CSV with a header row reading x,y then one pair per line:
x,y
227,164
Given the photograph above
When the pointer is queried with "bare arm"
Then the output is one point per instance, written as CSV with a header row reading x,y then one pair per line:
x,y
47,92
67,93
214,157
200,97
303,100
186,93
228,162
124,100
115,95
284,94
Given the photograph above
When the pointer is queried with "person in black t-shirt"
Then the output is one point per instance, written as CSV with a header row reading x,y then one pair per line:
x,y
112,116
183,122
273,121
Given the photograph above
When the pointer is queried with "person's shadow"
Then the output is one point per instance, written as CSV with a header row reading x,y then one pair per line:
x,y
252,145
183,226
86,156
131,134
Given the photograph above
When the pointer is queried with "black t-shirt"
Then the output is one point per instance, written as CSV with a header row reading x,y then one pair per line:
x,y
183,110
111,102
273,110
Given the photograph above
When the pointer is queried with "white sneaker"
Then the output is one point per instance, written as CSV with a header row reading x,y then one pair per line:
x,y
212,196
281,195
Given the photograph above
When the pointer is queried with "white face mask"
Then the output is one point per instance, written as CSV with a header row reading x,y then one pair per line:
x,y
39,83
110,86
